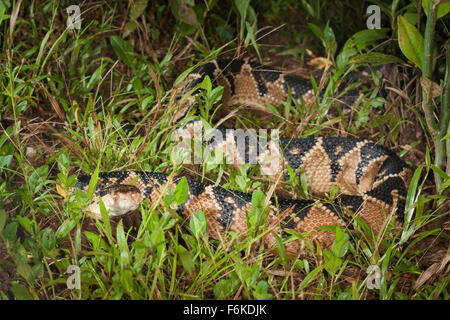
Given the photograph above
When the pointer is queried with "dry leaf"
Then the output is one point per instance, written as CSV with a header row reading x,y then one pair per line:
x,y
431,87
321,63
61,191
434,270
13,19
54,103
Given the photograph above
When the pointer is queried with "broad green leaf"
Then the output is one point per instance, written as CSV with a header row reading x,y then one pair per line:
x,y
442,9
375,59
198,223
5,161
10,231
19,291
223,288
123,50
183,11
410,41
48,239
64,229
260,290
332,262
137,8
181,191
258,199
341,243
206,84
27,224
186,259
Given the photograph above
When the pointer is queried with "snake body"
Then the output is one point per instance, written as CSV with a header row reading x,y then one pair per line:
x,y
372,181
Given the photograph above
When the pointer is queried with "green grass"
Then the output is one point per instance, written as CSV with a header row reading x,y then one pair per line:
x,y
83,101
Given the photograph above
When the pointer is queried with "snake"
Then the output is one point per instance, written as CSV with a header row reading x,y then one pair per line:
x,y
371,181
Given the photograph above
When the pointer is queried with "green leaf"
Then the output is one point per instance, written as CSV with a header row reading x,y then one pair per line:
x,y
64,229
223,288
260,290
198,223
2,219
183,11
332,262
186,259
123,246
303,181
255,212
309,8
137,8
206,84
106,222
23,268
123,50
96,76
375,59
309,278
215,95
444,186
258,199
37,271
5,161
10,231
442,9
362,39
341,243
27,224
317,31
181,191
411,199
19,291
280,248
182,76
48,239
410,41
93,182
37,178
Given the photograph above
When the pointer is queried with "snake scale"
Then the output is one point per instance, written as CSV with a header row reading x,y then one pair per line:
x,y
372,181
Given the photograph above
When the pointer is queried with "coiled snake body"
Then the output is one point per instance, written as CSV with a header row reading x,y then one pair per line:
x,y
371,179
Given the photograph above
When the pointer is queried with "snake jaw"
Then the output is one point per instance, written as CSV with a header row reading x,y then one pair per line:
x,y
118,200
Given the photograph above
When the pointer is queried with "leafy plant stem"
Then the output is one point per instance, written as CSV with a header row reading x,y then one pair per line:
x,y
426,70
443,146
428,41
427,63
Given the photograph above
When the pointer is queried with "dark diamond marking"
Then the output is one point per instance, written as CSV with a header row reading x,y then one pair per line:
x,y
330,145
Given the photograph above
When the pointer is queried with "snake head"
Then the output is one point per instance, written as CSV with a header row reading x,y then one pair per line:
x,y
119,199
